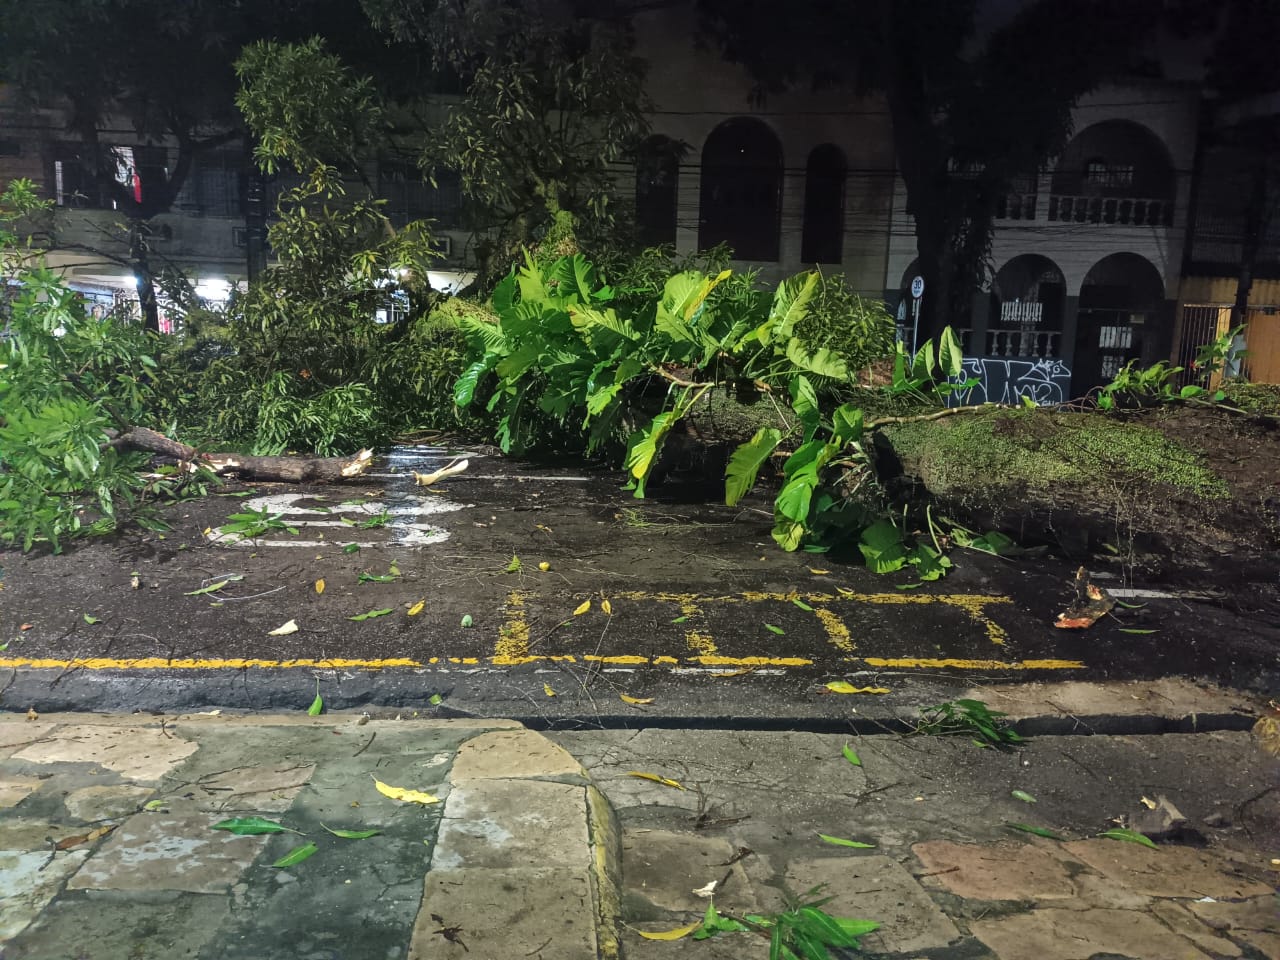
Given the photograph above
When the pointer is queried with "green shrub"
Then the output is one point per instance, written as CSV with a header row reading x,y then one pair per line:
x,y
858,330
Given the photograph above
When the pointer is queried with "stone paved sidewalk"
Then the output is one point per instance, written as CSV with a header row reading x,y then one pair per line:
x,y
947,878
107,850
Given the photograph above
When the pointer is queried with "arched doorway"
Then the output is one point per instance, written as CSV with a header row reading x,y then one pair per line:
x,y
657,181
1120,299
1116,171
741,190
1028,297
824,184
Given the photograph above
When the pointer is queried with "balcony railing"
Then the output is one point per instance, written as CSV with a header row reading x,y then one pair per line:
x,y
1023,343
1126,211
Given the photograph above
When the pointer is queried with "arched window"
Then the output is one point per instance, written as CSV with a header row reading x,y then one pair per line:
x,y
657,177
741,190
823,238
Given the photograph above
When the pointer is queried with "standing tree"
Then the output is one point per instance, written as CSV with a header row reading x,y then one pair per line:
x,y
974,103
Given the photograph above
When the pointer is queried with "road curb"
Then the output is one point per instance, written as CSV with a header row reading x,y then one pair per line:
x,y
528,856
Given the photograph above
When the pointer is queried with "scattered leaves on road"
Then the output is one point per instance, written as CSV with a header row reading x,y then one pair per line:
x,y
635,700
844,686
802,605
417,608
296,855
317,705
1037,831
841,842
66,843
774,629
213,587
546,688
467,621
91,620
352,834
582,608
284,629
351,548
680,619
607,607
544,566
1129,836
252,826
675,934
320,585
665,781
1023,796
851,756
371,614
404,794
818,572
1136,630
514,566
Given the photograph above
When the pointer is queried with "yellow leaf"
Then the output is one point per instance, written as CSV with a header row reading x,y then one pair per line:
x,y
284,629
675,934
417,608
544,566
582,608
400,793
674,784
626,699
320,586
546,688
607,607
820,573
844,686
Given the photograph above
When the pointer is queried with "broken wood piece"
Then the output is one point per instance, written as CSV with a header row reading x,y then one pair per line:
x,y
247,467
1091,603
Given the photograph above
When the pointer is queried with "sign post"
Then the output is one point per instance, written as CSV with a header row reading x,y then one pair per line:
x,y
917,291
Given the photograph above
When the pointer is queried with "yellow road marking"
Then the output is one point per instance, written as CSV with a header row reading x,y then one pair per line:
x,y
163,663
513,635
837,632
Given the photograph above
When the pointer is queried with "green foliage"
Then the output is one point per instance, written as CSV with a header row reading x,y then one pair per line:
x,y
66,381
251,524
856,330
804,931
970,718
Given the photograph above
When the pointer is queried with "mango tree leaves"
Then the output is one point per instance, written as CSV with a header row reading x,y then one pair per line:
x,y
851,756
1130,836
369,615
404,794
841,842
296,855
252,826
352,834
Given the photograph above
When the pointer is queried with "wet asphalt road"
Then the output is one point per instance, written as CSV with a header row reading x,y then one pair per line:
x,y
436,600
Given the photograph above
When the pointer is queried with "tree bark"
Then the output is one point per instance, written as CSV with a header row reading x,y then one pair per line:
x,y
284,469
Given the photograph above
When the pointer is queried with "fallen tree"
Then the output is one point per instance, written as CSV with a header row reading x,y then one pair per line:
x,y
245,466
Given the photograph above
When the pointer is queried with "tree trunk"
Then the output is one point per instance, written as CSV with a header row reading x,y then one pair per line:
x,y
284,469
139,259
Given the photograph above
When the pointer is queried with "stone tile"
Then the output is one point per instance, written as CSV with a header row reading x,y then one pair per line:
x,y
15,788
270,788
1053,934
876,888
665,868
94,927
1181,921
1255,922
996,871
30,880
15,734
1169,871
513,824
512,753
135,753
162,852
536,913
92,804
30,833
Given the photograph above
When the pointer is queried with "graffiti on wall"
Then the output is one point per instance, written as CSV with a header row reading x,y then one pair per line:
x,y
1007,381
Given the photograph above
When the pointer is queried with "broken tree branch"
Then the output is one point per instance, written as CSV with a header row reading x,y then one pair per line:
x,y
246,467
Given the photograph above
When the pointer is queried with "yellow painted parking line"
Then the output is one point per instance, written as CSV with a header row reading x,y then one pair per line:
x,y
233,663
513,635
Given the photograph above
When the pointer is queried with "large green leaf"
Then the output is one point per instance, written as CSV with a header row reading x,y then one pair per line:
x,y
464,388
745,463
648,442
846,421
680,291
822,361
788,534
795,496
489,334
882,547
251,826
585,317
804,399
950,354
598,401
790,304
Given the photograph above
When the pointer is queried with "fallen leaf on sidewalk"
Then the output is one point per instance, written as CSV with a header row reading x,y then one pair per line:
x,y
213,587
636,700
666,782
1037,831
320,586
66,843
1129,836
802,605
352,834
851,756
371,614
296,855
546,688
844,686
840,842
607,607
1023,796
675,934
400,793
91,620
284,629
252,826
317,705
417,608
514,566
775,629
817,572
582,608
